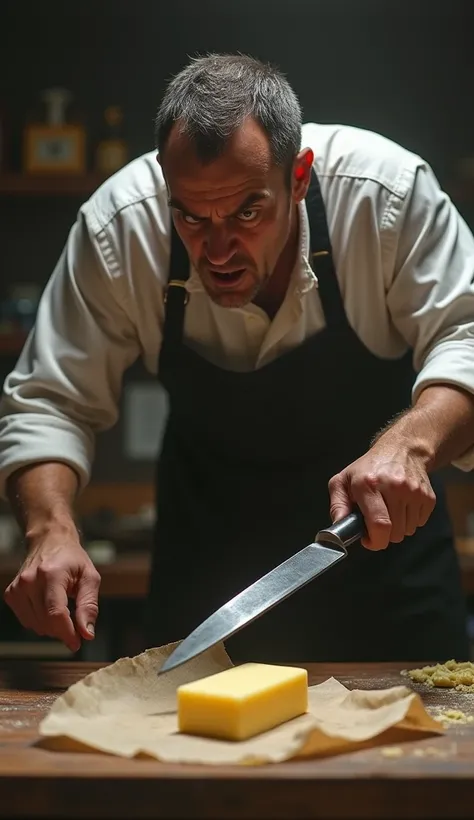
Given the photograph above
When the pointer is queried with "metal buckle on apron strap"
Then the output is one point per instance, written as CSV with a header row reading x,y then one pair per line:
x,y
313,255
176,283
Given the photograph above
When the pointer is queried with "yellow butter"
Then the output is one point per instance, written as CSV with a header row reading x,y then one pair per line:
x,y
242,701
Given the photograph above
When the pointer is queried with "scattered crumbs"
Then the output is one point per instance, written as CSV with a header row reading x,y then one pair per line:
x,y
430,751
392,751
12,708
11,725
452,716
442,751
449,675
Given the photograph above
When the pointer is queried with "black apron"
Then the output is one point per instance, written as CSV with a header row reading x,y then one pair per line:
x,y
242,484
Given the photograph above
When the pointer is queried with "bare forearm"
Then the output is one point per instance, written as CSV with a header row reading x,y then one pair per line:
x,y
42,498
439,428
390,483
56,567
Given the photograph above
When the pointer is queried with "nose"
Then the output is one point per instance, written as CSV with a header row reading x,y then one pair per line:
x,y
219,245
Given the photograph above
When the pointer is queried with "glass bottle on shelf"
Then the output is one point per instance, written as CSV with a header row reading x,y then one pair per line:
x,y
56,144
112,148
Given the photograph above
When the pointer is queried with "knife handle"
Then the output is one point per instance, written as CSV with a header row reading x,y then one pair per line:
x,y
344,532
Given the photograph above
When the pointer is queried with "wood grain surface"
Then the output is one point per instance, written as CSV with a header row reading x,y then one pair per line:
x,y
433,778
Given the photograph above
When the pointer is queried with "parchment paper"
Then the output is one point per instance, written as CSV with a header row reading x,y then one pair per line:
x,y
126,709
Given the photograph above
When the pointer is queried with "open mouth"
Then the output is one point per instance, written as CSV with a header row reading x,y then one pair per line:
x,y
228,278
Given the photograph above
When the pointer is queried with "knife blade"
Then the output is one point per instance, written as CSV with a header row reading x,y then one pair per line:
x,y
328,548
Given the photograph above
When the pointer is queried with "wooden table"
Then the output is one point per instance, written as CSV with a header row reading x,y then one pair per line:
x,y
37,783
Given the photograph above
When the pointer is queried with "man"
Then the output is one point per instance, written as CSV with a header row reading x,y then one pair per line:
x,y
306,299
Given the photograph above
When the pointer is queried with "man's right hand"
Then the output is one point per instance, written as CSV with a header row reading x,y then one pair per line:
x,y
57,569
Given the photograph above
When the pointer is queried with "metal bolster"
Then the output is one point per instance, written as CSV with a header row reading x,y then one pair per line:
x,y
176,283
320,253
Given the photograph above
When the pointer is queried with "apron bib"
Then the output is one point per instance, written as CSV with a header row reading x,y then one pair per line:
x,y
242,484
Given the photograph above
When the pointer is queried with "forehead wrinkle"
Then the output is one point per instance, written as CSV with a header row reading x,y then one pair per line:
x,y
212,189
192,207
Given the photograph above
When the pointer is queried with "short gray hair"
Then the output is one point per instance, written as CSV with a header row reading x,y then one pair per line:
x,y
213,95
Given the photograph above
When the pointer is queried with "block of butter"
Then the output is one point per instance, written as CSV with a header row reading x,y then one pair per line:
x,y
242,701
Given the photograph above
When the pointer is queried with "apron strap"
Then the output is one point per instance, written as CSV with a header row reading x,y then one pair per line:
x,y
175,295
322,261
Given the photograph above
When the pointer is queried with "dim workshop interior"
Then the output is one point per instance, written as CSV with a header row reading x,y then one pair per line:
x,y
62,134
80,88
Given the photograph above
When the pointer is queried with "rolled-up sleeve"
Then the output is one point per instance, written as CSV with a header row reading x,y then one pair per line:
x,y
66,384
431,298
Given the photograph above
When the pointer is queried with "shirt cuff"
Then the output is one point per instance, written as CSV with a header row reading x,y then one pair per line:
x,y
30,438
450,363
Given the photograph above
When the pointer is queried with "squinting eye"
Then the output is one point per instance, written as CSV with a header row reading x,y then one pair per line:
x,y
248,215
190,220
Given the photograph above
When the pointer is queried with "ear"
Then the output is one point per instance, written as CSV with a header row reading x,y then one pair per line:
x,y
158,159
301,174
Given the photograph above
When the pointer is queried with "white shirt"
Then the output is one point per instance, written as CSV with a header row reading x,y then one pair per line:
x,y
405,265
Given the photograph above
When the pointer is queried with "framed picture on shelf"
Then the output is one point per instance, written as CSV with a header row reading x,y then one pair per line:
x,y
49,149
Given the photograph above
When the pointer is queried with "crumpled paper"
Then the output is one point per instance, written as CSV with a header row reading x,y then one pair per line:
x,y
126,709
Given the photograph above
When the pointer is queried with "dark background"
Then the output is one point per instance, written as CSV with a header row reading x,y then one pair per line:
x,y
405,69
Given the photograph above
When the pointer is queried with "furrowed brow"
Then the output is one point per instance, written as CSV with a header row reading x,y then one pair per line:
x,y
251,199
175,203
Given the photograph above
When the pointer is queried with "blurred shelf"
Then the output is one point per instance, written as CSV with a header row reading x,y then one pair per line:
x,y
465,545
466,561
53,650
12,343
461,190
17,184
126,577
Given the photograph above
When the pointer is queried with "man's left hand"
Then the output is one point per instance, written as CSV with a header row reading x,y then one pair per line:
x,y
390,485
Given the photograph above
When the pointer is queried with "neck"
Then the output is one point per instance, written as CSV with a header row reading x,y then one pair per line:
x,y
271,297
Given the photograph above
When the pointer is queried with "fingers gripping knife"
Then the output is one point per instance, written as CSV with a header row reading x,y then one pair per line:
x,y
329,547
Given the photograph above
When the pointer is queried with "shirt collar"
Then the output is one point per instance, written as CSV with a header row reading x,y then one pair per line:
x,y
303,278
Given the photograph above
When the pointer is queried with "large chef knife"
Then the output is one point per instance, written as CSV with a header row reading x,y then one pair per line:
x,y
329,547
